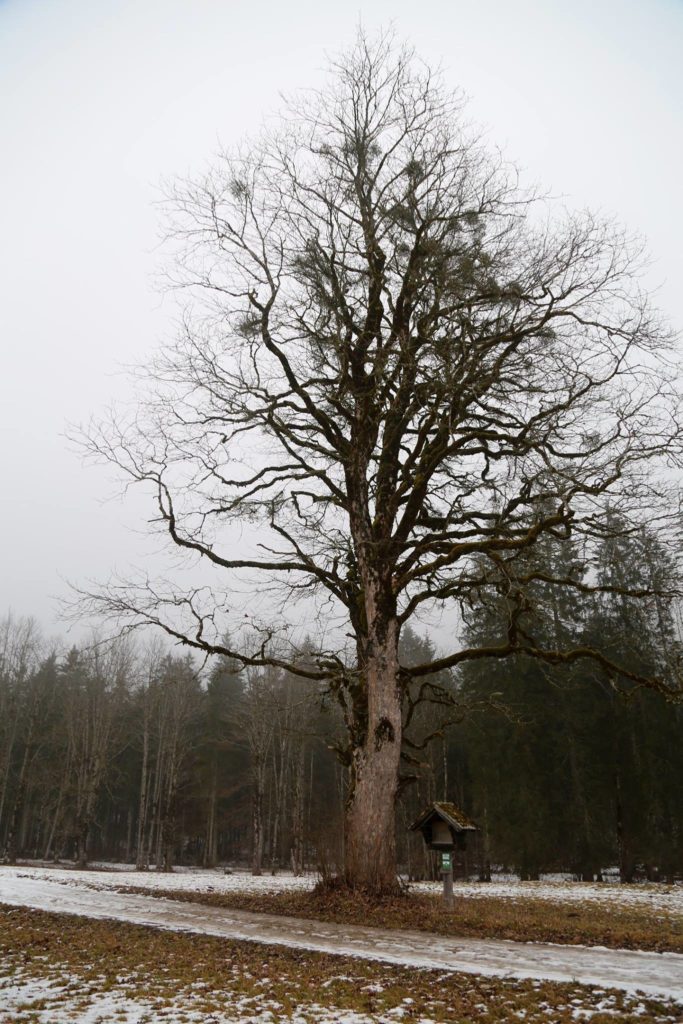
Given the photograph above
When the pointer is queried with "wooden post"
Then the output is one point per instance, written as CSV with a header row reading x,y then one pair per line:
x,y
447,872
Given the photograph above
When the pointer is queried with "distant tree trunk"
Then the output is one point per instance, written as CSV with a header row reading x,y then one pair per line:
x,y
142,850
5,768
626,866
22,782
210,855
155,815
59,806
86,813
280,766
258,793
167,829
259,727
485,862
297,850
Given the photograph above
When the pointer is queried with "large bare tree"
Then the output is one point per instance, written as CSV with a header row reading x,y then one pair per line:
x,y
402,371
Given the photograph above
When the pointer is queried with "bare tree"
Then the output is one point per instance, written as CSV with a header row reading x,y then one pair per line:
x,y
404,370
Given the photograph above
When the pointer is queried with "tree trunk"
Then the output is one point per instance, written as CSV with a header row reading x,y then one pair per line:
x,y
6,765
20,795
86,816
142,852
210,855
297,850
370,842
59,807
280,764
257,819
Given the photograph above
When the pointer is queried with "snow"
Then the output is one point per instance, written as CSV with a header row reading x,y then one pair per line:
x,y
649,896
656,974
42,999
555,889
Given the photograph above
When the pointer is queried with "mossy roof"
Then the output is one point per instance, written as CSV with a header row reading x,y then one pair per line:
x,y
449,813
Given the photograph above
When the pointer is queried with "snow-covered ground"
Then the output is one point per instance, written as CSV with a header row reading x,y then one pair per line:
x,y
43,1001
50,1002
94,895
655,898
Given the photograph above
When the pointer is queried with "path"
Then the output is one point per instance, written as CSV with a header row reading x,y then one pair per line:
x,y
656,974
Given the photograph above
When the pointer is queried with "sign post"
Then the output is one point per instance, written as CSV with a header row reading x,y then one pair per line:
x,y
447,872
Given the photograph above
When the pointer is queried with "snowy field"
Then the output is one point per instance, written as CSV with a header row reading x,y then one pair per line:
x,y
644,896
95,895
40,999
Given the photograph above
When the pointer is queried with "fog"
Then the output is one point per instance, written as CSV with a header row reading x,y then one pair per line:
x,y
99,101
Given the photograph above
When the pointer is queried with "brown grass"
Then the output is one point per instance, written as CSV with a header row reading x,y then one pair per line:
x,y
176,972
523,920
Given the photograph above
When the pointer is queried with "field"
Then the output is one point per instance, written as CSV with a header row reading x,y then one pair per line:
x,y
645,916
57,967
62,968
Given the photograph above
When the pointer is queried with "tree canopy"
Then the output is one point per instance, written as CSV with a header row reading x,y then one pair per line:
x,y
413,378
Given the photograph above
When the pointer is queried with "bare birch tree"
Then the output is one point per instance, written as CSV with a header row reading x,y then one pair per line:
x,y
404,370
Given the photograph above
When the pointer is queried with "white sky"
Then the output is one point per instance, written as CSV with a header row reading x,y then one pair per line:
x,y
101,98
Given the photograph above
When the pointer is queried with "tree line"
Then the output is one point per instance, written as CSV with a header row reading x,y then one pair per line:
x,y
146,756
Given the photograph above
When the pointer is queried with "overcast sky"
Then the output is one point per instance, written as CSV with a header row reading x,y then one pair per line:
x,y
100,99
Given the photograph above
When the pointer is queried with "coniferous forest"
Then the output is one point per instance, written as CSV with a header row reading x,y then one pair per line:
x,y
140,754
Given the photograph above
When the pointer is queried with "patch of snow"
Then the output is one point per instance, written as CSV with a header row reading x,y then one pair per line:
x,y
650,896
49,1002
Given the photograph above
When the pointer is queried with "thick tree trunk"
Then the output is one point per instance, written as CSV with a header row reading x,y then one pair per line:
x,y
370,843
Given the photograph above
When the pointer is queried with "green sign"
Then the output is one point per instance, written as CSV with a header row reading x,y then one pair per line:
x,y
446,862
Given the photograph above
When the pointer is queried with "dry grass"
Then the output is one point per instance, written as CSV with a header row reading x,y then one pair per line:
x,y
529,920
176,975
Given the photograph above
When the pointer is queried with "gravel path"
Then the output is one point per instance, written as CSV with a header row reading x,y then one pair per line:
x,y
656,974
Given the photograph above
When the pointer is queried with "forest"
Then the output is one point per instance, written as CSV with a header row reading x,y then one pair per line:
x,y
144,755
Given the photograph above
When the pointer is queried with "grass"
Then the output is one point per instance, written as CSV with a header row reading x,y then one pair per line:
x,y
182,977
523,920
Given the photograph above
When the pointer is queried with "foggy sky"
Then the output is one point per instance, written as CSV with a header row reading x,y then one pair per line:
x,y
100,99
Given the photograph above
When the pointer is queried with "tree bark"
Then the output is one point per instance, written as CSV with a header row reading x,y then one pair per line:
x,y
210,847
142,851
370,842
257,818
298,810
